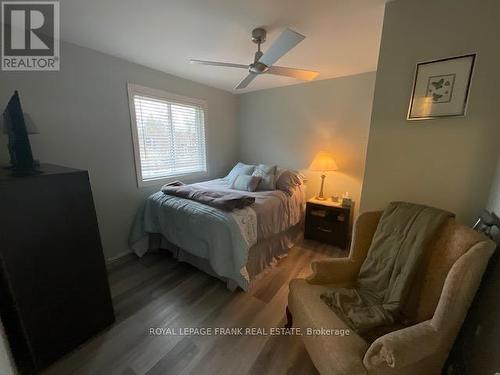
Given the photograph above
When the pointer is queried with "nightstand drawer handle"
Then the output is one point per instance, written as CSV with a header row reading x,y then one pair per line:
x,y
319,213
327,230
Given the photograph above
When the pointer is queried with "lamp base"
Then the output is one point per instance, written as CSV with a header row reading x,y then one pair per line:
x,y
321,197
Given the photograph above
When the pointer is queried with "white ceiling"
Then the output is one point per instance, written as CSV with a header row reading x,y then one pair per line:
x,y
342,36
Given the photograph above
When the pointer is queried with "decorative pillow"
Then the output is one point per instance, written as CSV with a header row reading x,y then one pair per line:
x,y
268,175
238,169
287,180
245,182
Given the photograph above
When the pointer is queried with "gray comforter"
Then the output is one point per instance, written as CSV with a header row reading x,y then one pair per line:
x,y
223,238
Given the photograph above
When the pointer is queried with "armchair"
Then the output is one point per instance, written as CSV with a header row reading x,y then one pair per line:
x,y
440,298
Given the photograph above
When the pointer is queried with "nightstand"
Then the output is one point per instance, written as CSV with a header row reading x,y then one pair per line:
x,y
328,222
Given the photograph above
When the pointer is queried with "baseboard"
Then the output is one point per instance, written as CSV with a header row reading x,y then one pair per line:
x,y
122,257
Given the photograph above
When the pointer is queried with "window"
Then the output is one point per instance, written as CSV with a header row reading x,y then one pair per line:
x,y
168,133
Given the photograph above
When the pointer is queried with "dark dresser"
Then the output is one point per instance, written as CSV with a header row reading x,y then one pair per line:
x,y
53,283
328,222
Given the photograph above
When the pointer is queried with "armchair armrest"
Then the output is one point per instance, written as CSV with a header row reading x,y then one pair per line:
x,y
333,271
404,347
345,270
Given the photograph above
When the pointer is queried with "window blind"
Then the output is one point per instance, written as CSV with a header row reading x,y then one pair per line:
x,y
170,137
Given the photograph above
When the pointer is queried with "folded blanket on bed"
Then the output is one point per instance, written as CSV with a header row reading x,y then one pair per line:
x,y
173,183
383,283
226,201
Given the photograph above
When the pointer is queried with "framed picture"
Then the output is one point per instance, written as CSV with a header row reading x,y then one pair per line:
x,y
441,88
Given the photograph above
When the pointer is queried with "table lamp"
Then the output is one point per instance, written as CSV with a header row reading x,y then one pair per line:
x,y
31,128
323,162
21,157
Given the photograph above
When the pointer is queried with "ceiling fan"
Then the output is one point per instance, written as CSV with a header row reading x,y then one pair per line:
x,y
263,62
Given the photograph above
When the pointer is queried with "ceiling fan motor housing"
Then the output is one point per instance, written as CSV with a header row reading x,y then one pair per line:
x,y
258,68
259,35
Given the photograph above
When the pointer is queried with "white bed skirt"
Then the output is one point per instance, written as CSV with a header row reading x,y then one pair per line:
x,y
261,257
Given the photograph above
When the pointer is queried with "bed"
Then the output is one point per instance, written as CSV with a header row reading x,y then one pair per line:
x,y
236,246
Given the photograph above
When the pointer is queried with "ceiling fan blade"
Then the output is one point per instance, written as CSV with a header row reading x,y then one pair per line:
x,y
216,63
244,83
285,42
305,75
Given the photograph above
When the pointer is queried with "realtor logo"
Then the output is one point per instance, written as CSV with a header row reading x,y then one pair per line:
x,y
30,35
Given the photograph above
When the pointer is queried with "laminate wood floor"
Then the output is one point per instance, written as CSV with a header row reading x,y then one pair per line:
x,y
157,291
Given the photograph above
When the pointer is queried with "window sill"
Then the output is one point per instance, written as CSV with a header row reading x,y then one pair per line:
x,y
164,180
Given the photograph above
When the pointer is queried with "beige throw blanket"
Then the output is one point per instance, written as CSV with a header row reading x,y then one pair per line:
x,y
398,245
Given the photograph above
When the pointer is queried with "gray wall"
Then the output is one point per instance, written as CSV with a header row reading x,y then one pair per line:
x,y
288,125
6,362
83,116
447,163
494,201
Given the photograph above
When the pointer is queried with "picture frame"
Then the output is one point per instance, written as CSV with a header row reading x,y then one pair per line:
x,y
441,88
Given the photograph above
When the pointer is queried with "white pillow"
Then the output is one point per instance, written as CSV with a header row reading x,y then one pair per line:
x,y
240,168
268,175
245,182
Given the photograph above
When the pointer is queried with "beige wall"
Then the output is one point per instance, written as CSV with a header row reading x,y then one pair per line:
x,y
447,163
83,117
288,125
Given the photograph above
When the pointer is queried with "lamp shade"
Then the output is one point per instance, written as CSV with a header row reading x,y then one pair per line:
x,y
323,162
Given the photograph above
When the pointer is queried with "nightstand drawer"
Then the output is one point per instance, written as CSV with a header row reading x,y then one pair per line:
x,y
327,232
321,229
318,216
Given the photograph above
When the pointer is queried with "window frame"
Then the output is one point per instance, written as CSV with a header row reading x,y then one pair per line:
x,y
134,89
